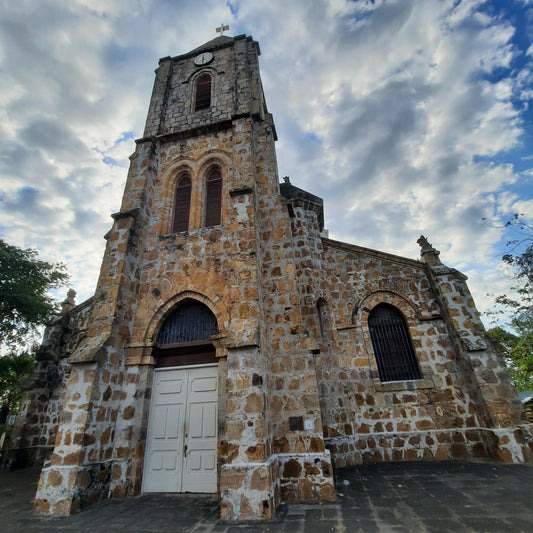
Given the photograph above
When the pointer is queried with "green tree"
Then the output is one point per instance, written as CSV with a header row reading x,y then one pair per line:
x,y
14,371
501,341
25,304
517,350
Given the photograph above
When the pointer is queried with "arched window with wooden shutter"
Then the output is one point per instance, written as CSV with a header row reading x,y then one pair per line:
x,y
395,355
182,203
203,92
213,198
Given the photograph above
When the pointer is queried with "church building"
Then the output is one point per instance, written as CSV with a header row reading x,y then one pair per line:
x,y
232,348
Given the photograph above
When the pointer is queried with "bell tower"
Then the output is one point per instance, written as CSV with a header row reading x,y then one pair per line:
x,y
213,227
195,373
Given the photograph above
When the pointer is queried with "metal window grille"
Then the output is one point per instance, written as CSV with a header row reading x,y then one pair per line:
x,y
395,355
213,198
182,205
203,92
192,321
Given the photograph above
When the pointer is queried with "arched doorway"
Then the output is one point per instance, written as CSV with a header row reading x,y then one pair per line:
x,y
181,443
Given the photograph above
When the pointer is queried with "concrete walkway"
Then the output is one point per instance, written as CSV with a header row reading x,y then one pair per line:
x,y
410,497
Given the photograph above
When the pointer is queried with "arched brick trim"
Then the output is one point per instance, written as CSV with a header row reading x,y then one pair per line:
x,y
173,170
362,310
213,158
166,309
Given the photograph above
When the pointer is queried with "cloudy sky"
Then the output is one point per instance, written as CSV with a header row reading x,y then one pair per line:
x,y
406,116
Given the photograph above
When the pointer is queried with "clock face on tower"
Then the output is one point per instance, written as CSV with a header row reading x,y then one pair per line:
x,y
203,59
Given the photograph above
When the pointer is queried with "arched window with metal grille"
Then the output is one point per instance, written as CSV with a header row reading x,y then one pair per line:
x,y
203,92
213,198
191,322
395,355
182,203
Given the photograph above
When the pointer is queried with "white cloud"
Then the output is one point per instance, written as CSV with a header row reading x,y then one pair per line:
x,y
392,111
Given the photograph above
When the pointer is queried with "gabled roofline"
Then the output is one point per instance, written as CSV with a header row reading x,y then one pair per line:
x,y
376,253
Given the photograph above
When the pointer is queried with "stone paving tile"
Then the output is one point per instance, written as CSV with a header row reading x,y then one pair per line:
x,y
395,497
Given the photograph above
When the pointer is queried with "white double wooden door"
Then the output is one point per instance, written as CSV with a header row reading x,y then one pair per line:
x,y
181,447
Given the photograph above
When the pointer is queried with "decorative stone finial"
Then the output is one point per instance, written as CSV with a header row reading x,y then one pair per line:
x,y
69,302
287,180
429,254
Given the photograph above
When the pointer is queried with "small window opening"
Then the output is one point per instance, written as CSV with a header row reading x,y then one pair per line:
x,y
182,204
322,317
203,92
213,198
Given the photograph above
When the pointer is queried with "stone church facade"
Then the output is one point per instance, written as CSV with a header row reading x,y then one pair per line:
x,y
231,347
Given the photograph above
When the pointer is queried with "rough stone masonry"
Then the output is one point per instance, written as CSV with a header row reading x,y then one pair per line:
x,y
251,356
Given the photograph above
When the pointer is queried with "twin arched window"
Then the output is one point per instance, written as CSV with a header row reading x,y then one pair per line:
x,y
212,215
395,355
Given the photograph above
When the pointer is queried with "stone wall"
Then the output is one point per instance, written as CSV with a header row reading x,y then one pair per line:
x,y
236,88
35,430
446,414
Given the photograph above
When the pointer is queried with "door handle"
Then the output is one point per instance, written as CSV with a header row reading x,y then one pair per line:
x,y
185,451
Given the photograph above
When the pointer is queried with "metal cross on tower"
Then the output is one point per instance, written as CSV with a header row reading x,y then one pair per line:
x,y
222,28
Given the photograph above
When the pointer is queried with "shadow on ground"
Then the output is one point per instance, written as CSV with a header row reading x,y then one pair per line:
x,y
395,497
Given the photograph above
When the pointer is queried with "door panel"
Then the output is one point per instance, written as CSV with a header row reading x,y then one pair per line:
x,y
181,448
199,473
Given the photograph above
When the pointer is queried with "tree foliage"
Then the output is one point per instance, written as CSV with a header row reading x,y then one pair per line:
x,y
520,260
24,302
517,350
14,371
517,353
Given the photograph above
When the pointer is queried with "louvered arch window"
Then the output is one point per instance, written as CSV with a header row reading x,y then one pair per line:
x,y
213,198
192,321
203,92
395,355
182,203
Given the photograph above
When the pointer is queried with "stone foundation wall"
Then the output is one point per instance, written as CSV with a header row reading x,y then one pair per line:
x,y
306,477
433,445
249,490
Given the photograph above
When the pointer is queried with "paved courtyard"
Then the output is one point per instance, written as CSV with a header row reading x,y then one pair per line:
x,y
395,497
